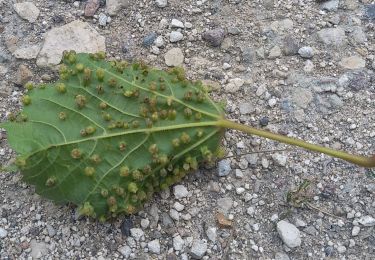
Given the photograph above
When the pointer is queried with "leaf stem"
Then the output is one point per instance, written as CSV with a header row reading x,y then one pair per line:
x,y
356,159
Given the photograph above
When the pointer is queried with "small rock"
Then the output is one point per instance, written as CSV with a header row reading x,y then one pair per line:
x,y
330,6
175,36
280,159
306,52
114,6
102,19
125,226
125,251
180,191
281,256
38,249
246,108
367,221
353,62
27,10
23,75
289,234
214,37
222,221
198,249
77,35
264,122
250,211
91,7
248,55
159,41
341,249
234,85
154,246
332,36
178,206
145,223
27,53
136,233
174,57
223,168
161,3
239,174
211,234
177,24
178,243
355,231
149,39
51,231
3,233
358,35
275,52
290,46
224,205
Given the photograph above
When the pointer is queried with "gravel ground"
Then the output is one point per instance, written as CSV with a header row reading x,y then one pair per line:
x,y
297,67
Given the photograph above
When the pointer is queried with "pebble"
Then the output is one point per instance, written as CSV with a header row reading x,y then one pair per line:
x,y
136,233
332,36
177,24
24,75
353,63
306,52
281,256
214,37
27,52
154,246
330,6
178,206
161,3
27,10
239,174
211,233
341,249
125,251
174,57
38,249
125,226
367,221
224,204
114,6
222,221
275,52
355,231
145,223
234,85
280,159
102,19
248,55
178,243
91,7
289,234
159,41
224,168
198,249
77,35
149,39
3,233
175,36
180,191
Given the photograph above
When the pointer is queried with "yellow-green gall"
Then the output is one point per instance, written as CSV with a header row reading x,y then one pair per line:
x,y
155,116
137,175
51,181
147,169
95,158
176,142
188,112
100,74
87,210
103,105
83,132
112,82
124,171
76,153
20,162
104,193
26,100
111,201
188,95
80,67
100,55
163,172
122,146
61,88
200,133
152,86
72,57
29,86
163,159
198,116
128,93
132,187
148,122
80,101
100,89
172,113
119,191
107,117
135,124
89,171
153,149
62,116
90,130
185,138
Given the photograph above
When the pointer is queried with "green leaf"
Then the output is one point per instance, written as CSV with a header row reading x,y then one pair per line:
x,y
106,136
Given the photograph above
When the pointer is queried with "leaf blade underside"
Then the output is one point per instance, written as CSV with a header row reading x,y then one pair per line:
x,y
106,136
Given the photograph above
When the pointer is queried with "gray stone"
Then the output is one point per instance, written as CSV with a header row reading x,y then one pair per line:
x,y
125,251
234,85
280,159
38,249
180,191
224,205
356,80
159,41
224,168
306,52
91,7
275,52
27,52
211,233
178,243
3,233
27,10
161,3
154,246
177,24
149,39
174,57
281,256
136,233
77,35
370,11
198,249
175,36
23,75
358,35
246,108
355,231
289,234
290,46
302,97
332,36
367,221
114,6
214,37
330,6
51,231
353,63
248,55
102,19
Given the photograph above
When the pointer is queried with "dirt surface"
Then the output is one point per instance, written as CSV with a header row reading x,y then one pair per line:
x,y
300,68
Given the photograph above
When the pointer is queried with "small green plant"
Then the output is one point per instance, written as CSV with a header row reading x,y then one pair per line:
x,y
108,135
